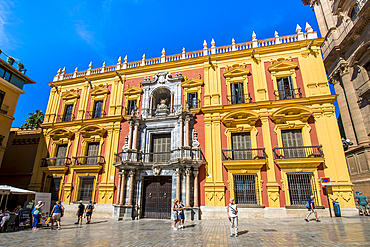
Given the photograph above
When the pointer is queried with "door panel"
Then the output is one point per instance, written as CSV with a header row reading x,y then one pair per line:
x,y
157,197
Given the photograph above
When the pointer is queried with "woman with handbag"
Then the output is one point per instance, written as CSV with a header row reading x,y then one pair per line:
x,y
56,214
36,212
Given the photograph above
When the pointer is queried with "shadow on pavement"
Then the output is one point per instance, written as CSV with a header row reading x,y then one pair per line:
x,y
243,232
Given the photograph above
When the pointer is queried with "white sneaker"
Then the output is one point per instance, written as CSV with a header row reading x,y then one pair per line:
x,y
179,227
175,229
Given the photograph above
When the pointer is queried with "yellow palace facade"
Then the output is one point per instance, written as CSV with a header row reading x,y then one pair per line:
x,y
254,121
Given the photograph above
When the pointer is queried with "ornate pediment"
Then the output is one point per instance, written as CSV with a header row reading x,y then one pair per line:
x,y
192,82
234,119
60,133
71,94
236,70
162,78
282,65
99,90
92,130
132,91
291,113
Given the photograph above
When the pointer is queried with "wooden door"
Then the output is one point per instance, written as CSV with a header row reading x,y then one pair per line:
x,y
157,197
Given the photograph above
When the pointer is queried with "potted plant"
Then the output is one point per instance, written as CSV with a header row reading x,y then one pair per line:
x,y
20,66
10,60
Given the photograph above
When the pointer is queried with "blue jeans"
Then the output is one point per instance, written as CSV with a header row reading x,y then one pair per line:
x,y
36,220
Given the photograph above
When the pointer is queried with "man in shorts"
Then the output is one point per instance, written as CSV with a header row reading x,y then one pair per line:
x,y
311,209
89,210
80,213
363,202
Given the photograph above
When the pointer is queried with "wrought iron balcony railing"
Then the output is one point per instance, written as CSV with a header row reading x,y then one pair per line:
x,y
298,152
183,153
193,104
89,160
244,154
65,118
239,99
130,110
93,114
56,161
288,94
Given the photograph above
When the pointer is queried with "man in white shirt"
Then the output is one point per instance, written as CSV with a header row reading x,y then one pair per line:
x,y
232,213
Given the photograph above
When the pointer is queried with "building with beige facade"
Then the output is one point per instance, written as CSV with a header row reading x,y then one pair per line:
x,y
344,25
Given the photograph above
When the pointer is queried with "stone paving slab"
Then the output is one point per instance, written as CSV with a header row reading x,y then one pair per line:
x,y
345,231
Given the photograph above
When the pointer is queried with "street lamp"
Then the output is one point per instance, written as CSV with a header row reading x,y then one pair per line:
x,y
346,143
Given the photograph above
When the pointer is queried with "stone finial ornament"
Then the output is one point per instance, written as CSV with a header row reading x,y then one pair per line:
x,y
254,36
205,44
119,60
213,43
126,59
76,69
59,71
104,64
308,28
298,29
90,65
163,52
276,35
64,70
233,41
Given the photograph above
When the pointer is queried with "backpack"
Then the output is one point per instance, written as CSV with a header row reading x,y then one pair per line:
x,y
89,208
308,205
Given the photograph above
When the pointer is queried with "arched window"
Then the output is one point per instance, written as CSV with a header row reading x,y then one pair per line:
x,y
354,12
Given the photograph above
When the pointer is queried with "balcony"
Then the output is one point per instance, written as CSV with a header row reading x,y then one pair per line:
x,y
56,161
244,154
92,160
65,118
239,99
193,104
4,109
288,94
299,157
130,110
176,156
92,114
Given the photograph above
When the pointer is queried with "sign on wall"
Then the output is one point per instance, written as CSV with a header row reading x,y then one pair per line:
x,y
325,181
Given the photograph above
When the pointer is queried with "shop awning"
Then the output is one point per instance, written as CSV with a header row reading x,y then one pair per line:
x,y
6,190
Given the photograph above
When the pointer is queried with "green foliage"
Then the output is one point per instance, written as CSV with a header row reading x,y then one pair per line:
x,y
34,120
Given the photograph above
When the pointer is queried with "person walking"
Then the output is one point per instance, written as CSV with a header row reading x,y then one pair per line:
x,y
56,214
89,210
175,210
232,214
80,213
181,215
36,212
363,203
311,208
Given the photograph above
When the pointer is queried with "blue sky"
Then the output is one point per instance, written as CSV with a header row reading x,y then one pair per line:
x,y
48,35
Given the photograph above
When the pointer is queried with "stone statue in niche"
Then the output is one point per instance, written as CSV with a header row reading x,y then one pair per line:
x,y
162,108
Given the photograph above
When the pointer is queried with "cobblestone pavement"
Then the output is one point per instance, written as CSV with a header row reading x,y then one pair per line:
x,y
252,232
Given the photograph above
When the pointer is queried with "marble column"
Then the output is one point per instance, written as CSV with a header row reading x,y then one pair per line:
x,y
134,140
181,132
119,188
187,188
150,105
187,120
131,188
196,199
130,135
123,189
171,109
178,183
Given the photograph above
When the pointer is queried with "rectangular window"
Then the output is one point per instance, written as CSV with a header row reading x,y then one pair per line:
x,y
246,188
7,76
68,113
293,143
92,153
301,187
54,188
131,107
98,109
86,188
193,100
61,155
285,88
2,96
161,147
237,93
241,145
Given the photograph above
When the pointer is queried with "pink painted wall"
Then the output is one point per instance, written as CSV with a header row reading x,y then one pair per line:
x,y
299,78
250,83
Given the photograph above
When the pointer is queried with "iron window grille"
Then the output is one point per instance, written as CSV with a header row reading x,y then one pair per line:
x,y
86,188
301,186
131,109
246,188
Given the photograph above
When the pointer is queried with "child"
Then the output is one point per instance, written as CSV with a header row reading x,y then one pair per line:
x,y
175,209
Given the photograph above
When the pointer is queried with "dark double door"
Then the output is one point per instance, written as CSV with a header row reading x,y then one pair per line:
x,y
157,197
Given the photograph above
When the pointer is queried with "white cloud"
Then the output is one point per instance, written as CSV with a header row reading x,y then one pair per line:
x,y
83,32
5,37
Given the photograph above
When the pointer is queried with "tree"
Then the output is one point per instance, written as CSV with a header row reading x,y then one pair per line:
x,y
34,120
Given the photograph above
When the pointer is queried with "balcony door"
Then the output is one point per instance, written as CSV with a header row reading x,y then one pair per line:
x,y
54,188
68,113
237,93
98,109
241,145
293,144
161,147
92,153
286,89
61,155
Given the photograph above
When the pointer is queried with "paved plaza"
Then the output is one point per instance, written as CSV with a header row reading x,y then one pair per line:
x,y
252,232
